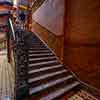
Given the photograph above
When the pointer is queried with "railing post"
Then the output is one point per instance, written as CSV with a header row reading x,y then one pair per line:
x,y
8,44
21,68
8,48
29,16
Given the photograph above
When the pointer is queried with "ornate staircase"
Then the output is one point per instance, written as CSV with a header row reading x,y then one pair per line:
x,y
45,73
39,74
46,78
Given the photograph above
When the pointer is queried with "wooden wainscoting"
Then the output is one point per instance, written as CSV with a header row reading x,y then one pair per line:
x,y
53,41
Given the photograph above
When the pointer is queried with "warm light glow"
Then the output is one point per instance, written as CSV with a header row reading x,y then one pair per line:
x,y
15,2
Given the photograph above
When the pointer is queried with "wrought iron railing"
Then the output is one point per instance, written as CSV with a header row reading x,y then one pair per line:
x,y
20,55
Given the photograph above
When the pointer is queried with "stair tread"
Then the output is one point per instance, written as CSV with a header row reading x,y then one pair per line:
x,y
42,66
46,76
43,69
48,79
42,54
43,63
46,72
50,84
60,92
36,47
39,46
39,51
41,58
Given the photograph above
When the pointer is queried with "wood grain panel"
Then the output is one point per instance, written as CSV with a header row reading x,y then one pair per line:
x,y
82,39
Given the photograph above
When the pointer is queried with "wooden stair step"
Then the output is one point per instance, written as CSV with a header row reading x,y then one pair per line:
x,y
60,92
44,69
46,76
39,51
50,84
42,63
42,59
34,49
48,79
39,55
44,72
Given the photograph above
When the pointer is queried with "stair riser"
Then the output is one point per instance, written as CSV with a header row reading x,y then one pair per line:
x,y
34,49
44,69
54,88
37,61
45,76
34,40
32,43
60,92
41,66
39,43
42,54
39,56
38,52
42,58
49,85
39,46
42,63
49,79
45,72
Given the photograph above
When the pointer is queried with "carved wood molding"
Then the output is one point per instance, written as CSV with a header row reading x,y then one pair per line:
x,y
36,4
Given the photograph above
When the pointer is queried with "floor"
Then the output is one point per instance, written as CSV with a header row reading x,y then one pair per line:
x,y
82,95
6,77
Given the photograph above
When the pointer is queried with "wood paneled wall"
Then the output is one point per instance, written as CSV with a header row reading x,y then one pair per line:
x,y
82,39
79,47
